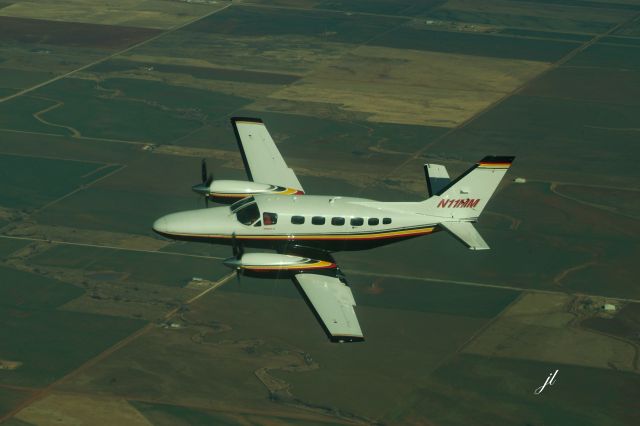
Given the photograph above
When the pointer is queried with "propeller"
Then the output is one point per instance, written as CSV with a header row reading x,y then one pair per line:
x,y
238,251
203,187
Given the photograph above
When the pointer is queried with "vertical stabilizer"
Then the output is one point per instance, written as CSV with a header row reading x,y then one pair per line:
x,y
466,197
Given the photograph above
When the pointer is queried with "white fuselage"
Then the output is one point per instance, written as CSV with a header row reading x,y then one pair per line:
x,y
327,222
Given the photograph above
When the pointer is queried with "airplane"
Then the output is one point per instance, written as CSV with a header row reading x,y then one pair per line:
x,y
271,210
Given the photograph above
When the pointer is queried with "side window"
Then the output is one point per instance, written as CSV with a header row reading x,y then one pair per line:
x,y
373,221
357,221
318,220
297,220
338,221
269,218
386,220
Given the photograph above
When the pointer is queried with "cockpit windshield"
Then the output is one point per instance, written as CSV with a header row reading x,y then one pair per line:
x,y
248,214
240,203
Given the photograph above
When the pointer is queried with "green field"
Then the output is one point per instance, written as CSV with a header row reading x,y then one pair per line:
x,y
544,132
475,44
386,7
9,399
30,182
500,392
546,34
153,268
209,73
616,86
20,79
18,114
51,343
608,56
171,414
8,246
274,22
569,19
25,291
131,109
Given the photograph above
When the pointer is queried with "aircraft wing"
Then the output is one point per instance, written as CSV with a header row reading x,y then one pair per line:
x,y
333,303
262,160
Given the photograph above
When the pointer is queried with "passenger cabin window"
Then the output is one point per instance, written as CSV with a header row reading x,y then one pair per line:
x,y
297,220
386,220
269,218
338,221
357,221
248,214
318,220
373,221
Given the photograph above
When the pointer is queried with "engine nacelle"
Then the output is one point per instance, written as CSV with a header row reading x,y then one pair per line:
x,y
278,264
230,191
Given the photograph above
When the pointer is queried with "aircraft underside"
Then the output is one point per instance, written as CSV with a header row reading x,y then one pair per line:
x,y
330,243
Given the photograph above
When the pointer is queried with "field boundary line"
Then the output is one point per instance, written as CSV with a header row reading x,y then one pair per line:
x,y
485,285
71,243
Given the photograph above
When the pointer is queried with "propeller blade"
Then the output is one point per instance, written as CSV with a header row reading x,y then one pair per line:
x,y
209,179
234,246
203,170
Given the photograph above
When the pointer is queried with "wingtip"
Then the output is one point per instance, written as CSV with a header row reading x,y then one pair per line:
x,y
497,159
246,119
347,339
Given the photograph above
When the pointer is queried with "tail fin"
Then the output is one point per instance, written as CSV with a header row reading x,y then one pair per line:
x,y
466,197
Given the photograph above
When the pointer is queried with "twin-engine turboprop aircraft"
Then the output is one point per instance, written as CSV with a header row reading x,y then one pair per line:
x,y
271,210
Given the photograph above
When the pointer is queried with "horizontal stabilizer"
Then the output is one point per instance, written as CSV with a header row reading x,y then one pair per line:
x,y
437,178
333,302
466,233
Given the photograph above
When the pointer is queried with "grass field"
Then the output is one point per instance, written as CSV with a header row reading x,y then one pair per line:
x,y
51,343
580,17
26,291
30,182
136,13
495,391
9,246
136,267
10,398
67,34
